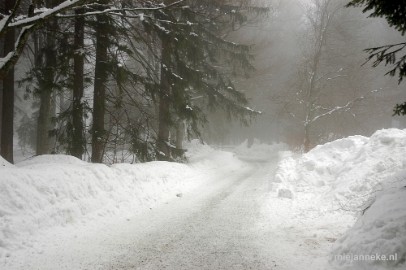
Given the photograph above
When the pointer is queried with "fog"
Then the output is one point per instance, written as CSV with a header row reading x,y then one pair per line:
x,y
202,134
282,44
222,72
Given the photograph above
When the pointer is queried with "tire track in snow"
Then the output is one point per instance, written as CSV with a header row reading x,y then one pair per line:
x,y
214,230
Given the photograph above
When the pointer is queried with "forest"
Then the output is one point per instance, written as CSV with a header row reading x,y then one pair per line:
x,y
129,81
202,134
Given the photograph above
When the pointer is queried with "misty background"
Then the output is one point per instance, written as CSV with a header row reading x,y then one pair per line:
x,y
311,83
282,45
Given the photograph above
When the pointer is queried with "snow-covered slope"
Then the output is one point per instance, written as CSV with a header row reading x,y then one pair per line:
x,y
379,232
345,173
4,163
56,190
324,192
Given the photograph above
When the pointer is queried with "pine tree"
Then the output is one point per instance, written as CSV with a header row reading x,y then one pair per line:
x,y
7,114
78,139
193,60
100,84
197,61
44,124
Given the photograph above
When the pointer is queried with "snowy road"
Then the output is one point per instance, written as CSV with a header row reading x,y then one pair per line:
x,y
219,226
237,209
215,229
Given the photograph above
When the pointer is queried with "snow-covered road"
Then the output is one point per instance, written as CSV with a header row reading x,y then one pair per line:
x,y
218,226
244,209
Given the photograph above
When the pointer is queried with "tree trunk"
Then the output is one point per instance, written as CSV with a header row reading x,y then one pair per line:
x,y
180,134
78,86
164,119
100,80
179,152
1,101
45,109
43,123
306,142
7,127
323,21
2,41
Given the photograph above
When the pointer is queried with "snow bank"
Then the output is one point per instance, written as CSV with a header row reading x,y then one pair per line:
x,y
49,160
345,173
45,194
326,190
5,163
50,191
380,231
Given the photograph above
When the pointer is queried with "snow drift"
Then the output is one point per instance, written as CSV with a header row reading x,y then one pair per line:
x,y
379,232
327,189
343,174
59,190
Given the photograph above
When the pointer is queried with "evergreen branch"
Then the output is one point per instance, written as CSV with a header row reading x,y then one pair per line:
x,y
6,19
7,62
46,14
387,54
120,11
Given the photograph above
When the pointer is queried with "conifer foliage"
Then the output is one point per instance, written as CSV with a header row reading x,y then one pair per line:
x,y
197,62
125,80
393,54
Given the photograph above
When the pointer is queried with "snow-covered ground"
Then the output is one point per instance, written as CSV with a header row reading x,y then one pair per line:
x,y
323,192
248,208
54,192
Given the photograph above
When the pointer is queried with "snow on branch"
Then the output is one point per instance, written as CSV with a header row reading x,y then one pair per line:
x,y
120,11
335,109
5,21
46,13
28,23
11,58
346,107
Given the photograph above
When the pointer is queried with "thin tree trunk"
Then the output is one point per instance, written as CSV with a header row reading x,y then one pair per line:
x,y
180,134
164,118
320,40
78,86
99,98
163,144
179,152
43,124
306,142
2,41
7,127
1,101
44,117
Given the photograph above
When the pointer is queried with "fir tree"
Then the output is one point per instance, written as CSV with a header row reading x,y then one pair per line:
x,y
197,61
